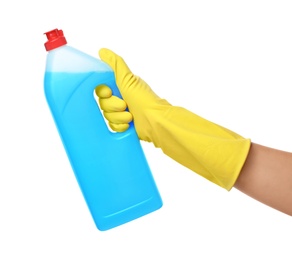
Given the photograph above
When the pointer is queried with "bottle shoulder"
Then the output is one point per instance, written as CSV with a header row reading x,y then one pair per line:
x,y
72,60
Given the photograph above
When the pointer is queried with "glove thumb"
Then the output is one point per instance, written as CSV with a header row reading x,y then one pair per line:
x,y
118,65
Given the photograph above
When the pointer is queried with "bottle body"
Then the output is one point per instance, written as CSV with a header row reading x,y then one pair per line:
x,y
111,168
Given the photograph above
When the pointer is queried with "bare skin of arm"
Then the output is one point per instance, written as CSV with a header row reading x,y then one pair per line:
x,y
267,177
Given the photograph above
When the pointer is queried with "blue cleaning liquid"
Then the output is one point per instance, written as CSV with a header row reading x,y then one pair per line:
x,y
111,168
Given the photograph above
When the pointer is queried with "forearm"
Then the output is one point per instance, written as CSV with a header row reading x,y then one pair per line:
x,y
208,149
267,177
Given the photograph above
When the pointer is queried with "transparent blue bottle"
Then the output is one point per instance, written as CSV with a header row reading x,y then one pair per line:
x,y
111,168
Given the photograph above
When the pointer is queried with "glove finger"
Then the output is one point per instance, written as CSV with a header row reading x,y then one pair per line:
x,y
103,91
112,104
119,127
118,65
118,117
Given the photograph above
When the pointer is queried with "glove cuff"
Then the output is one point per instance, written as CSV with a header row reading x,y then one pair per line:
x,y
208,149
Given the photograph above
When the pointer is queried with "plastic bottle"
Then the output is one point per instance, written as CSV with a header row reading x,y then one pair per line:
x,y
111,168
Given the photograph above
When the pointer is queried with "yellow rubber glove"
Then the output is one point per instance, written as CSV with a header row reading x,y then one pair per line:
x,y
208,149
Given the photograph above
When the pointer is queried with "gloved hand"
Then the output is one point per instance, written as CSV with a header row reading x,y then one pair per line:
x,y
206,148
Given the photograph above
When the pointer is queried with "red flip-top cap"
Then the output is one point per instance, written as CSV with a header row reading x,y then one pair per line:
x,y
55,39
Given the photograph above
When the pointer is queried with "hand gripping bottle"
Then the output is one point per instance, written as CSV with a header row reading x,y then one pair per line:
x,y
111,168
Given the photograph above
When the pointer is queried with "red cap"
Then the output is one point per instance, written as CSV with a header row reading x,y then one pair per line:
x,y
55,39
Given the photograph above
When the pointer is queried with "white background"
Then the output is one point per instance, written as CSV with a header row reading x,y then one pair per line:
x,y
228,61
